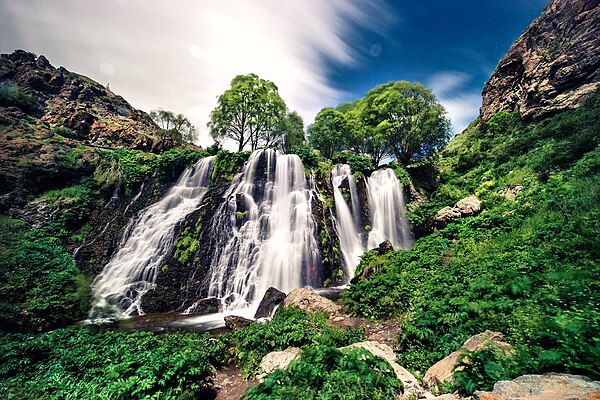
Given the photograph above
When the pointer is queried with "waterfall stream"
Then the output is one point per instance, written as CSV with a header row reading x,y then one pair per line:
x,y
264,232
347,219
132,270
387,211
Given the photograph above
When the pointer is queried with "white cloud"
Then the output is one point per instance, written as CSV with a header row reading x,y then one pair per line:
x,y
462,105
181,55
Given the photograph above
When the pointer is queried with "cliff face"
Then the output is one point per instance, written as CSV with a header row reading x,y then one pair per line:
x,y
51,123
553,66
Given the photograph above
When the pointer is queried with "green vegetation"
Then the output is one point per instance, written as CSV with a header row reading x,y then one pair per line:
x,y
12,96
228,164
84,363
174,127
327,373
526,266
289,327
252,113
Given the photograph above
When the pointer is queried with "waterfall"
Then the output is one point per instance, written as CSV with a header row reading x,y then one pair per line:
x,y
132,270
347,219
263,233
387,211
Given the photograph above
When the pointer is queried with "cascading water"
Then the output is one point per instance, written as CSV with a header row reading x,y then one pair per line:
x,y
132,270
263,233
387,211
347,218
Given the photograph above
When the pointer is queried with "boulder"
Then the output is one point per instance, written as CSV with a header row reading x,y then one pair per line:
x,y
469,206
442,370
271,299
235,322
277,360
543,387
307,300
411,385
447,214
384,248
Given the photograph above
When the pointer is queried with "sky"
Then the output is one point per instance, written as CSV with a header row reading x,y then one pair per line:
x,y
180,55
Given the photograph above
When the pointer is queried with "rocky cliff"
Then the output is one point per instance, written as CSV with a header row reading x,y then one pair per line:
x,y
553,66
47,115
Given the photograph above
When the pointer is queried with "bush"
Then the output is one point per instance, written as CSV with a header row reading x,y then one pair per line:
x,y
328,373
87,364
12,96
228,164
172,162
289,327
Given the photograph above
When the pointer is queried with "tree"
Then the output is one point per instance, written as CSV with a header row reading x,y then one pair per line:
x,y
408,117
176,127
293,132
250,113
327,134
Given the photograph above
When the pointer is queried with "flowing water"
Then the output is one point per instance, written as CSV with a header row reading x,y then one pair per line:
x,y
347,218
132,270
387,211
264,233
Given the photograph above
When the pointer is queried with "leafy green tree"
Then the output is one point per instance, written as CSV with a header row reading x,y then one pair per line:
x,y
408,117
175,126
293,132
327,134
250,113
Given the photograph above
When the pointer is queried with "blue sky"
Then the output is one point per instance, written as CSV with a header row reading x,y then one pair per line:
x,y
180,55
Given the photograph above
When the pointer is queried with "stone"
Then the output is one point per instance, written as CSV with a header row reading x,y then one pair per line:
x,y
411,385
207,306
544,387
307,300
271,299
277,360
469,206
442,370
447,214
235,322
384,247
552,66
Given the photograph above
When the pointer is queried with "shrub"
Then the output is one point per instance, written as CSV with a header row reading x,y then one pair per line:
x,y
328,373
12,96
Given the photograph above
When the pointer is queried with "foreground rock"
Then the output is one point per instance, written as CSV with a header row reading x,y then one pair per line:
x,y
234,322
544,387
463,208
411,385
307,300
270,300
553,66
277,360
442,371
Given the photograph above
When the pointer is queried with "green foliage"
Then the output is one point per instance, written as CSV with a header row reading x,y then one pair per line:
x,y
327,373
327,132
310,158
228,164
172,162
357,163
526,266
12,96
174,127
293,132
64,132
289,327
251,113
480,370
86,364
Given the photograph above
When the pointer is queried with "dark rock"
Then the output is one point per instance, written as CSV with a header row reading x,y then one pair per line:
x,y
270,300
384,248
235,322
207,306
552,66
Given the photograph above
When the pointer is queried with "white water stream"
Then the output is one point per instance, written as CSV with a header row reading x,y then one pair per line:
x,y
132,270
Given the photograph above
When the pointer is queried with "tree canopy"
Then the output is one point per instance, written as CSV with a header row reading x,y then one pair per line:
x,y
176,127
251,113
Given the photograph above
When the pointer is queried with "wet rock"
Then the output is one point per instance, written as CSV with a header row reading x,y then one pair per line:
x,y
271,299
235,322
442,371
543,387
384,248
552,66
277,360
307,300
207,306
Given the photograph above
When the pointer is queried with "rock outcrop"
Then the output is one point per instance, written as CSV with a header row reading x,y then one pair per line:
x,y
277,360
442,370
543,387
271,299
463,208
307,300
552,66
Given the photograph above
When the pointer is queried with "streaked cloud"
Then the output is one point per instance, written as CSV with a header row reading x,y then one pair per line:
x,y
462,105
181,55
